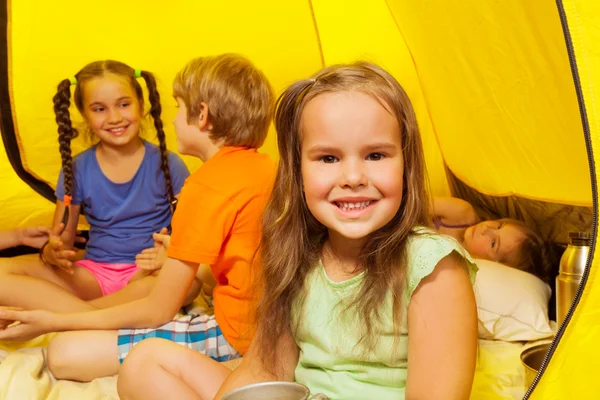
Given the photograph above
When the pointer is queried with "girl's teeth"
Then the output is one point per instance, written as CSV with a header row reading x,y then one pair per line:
x,y
353,206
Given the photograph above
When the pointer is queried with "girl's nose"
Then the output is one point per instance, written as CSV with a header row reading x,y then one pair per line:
x,y
114,116
353,174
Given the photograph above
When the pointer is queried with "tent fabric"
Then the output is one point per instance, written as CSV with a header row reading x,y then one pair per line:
x,y
491,83
570,372
497,82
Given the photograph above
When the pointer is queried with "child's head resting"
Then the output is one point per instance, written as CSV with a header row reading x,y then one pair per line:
x,y
111,101
355,169
235,97
510,242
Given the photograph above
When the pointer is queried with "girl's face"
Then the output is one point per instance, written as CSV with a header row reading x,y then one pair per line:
x,y
352,163
112,110
494,240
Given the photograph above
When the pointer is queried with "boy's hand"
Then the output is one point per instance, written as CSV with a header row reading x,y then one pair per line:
x,y
31,323
153,258
6,322
34,236
55,254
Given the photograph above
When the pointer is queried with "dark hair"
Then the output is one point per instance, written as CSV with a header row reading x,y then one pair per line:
x,y
66,131
533,254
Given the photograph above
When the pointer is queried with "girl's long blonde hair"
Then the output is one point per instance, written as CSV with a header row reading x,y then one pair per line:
x,y
292,238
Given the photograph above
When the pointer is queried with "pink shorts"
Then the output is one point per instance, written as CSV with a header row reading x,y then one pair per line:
x,y
110,277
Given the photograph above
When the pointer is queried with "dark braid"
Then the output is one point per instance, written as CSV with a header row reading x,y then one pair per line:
x,y
155,111
66,132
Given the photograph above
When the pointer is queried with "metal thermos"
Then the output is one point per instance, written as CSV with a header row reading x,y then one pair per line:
x,y
572,265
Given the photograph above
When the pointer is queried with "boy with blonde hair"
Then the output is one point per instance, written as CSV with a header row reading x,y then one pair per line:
x,y
225,109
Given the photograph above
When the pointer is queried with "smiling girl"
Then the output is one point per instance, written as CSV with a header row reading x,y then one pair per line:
x,y
126,185
364,302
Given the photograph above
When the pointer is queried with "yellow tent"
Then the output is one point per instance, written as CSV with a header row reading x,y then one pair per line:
x,y
505,94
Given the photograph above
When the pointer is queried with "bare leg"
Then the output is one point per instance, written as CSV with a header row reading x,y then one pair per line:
x,y
84,356
159,369
28,283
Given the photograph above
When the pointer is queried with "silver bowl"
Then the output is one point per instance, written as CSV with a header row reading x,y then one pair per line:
x,y
271,391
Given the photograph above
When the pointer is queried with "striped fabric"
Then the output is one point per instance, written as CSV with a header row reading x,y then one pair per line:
x,y
197,332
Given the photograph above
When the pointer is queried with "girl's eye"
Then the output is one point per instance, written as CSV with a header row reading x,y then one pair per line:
x,y
493,243
125,105
98,109
328,159
375,156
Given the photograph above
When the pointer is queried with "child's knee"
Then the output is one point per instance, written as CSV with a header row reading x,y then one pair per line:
x,y
140,356
83,356
62,357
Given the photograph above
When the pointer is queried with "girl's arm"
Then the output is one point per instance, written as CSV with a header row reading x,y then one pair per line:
x,y
252,370
454,210
9,239
442,339
34,236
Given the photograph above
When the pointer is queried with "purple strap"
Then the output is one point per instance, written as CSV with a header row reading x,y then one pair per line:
x,y
437,221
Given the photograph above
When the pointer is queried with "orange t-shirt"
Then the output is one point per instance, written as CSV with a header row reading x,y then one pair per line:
x,y
217,222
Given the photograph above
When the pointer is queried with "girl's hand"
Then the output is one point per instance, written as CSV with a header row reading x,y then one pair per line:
x,y
34,236
54,252
153,258
31,324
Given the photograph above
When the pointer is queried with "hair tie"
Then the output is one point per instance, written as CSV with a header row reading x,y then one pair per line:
x,y
67,200
138,73
73,80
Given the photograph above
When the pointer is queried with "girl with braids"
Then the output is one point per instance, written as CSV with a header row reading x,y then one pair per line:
x,y
127,186
364,303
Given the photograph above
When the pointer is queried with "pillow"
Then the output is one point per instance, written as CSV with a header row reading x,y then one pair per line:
x,y
512,305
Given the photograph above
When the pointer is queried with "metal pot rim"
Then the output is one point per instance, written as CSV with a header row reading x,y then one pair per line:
x,y
263,384
528,351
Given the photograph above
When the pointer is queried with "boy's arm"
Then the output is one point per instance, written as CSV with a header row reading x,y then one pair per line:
x,y
252,370
154,310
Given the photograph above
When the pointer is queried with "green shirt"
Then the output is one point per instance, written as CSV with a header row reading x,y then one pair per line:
x,y
330,362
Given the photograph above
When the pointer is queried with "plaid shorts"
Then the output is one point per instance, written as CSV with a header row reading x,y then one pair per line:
x,y
197,332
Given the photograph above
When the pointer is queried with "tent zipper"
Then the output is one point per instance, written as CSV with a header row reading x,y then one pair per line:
x,y
588,145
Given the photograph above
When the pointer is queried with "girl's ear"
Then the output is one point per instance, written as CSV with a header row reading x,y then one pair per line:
x,y
203,122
